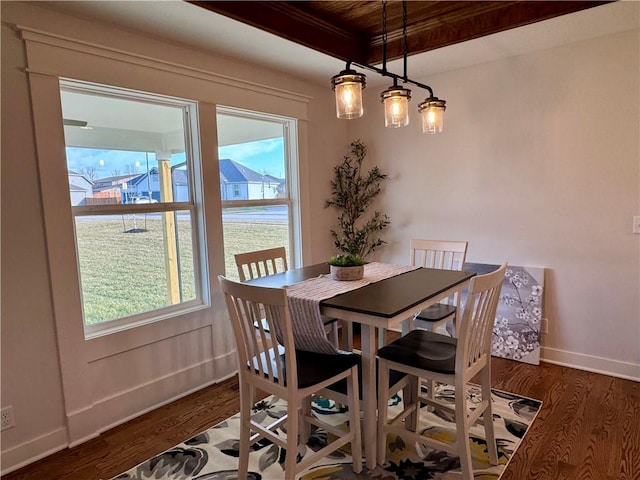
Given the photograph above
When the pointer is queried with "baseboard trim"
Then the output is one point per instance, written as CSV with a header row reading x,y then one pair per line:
x,y
33,450
180,383
129,404
591,363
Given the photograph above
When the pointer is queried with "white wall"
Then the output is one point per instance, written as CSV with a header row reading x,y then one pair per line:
x,y
52,405
539,165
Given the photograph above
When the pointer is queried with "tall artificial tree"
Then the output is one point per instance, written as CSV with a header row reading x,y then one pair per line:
x,y
352,193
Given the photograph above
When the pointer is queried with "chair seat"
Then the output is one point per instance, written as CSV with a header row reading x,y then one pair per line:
x,y
436,312
424,350
314,368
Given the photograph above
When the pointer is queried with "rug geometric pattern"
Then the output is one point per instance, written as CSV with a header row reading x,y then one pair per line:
x,y
213,454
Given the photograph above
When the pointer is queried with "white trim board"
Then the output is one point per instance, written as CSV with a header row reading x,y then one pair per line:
x,y
591,363
50,443
33,450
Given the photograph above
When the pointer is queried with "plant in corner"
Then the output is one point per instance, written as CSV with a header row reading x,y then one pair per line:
x,y
352,193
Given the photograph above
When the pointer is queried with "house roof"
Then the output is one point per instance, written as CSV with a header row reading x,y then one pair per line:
x,y
73,173
234,172
179,176
117,179
77,188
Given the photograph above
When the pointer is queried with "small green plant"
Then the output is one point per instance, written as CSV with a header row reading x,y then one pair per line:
x,y
346,260
352,194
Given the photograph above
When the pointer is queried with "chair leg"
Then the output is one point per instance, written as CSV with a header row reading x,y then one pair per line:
x,y
354,420
410,398
304,426
334,335
451,328
462,428
246,399
487,416
252,396
383,406
382,334
346,342
292,439
430,384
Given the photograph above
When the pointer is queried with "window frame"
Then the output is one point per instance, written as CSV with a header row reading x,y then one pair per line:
x,y
291,165
193,206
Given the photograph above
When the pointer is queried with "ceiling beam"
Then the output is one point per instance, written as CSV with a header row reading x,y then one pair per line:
x,y
289,21
352,30
464,24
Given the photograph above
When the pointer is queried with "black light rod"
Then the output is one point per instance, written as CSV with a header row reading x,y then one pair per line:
x,y
386,73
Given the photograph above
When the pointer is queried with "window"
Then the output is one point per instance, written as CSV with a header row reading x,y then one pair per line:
x,y
132,191
257,155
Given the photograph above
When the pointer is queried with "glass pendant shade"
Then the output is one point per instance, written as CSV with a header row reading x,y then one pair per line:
x,y
348,86
432,112
396,106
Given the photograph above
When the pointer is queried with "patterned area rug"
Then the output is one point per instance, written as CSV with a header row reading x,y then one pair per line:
x,y
213,454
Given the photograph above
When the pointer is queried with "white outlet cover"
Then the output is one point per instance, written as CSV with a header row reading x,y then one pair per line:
x,y
636,224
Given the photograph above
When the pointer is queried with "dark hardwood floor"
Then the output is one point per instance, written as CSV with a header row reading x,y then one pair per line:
x,y
588,429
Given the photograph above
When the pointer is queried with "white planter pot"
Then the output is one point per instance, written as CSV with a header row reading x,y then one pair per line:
x,y
347,273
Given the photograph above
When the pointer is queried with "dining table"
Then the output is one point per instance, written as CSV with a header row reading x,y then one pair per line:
x,y
387,304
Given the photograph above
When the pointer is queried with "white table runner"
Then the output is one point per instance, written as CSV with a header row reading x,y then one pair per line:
x,y
305,297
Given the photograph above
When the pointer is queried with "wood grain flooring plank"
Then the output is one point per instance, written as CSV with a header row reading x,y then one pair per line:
x,y
554,383
629,429
587,451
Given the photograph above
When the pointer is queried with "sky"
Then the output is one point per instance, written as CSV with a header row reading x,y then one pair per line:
x,y
264,156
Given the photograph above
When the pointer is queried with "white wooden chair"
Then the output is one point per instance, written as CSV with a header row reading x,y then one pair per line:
x,y
443,254
454,361
261,262
271,363
268,262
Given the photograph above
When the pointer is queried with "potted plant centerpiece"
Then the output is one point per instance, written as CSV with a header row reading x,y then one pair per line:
x,y
346,267
352,193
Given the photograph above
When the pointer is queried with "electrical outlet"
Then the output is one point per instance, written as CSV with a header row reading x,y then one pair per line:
x,y
6,418
544,328
636,224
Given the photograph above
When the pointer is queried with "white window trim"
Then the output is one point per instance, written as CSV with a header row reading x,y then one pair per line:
x,y
50,57
109,327
292,201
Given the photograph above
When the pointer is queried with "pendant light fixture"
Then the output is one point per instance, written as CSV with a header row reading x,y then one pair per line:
x,y
348,86
396,106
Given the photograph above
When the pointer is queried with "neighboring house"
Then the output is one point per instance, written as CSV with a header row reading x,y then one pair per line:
x,y
148,185
238,182
130,186
115,186
80,187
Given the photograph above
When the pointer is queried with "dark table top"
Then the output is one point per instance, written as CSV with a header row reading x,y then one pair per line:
x,y
386,298
391,296
290,277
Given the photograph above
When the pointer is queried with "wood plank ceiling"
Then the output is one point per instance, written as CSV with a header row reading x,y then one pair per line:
x,y
353,30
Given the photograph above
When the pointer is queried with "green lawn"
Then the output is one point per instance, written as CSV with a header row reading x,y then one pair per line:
x,y
123,273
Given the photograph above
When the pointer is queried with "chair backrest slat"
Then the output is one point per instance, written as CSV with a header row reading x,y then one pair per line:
x,y
443,254
256,313
476,326
261,263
